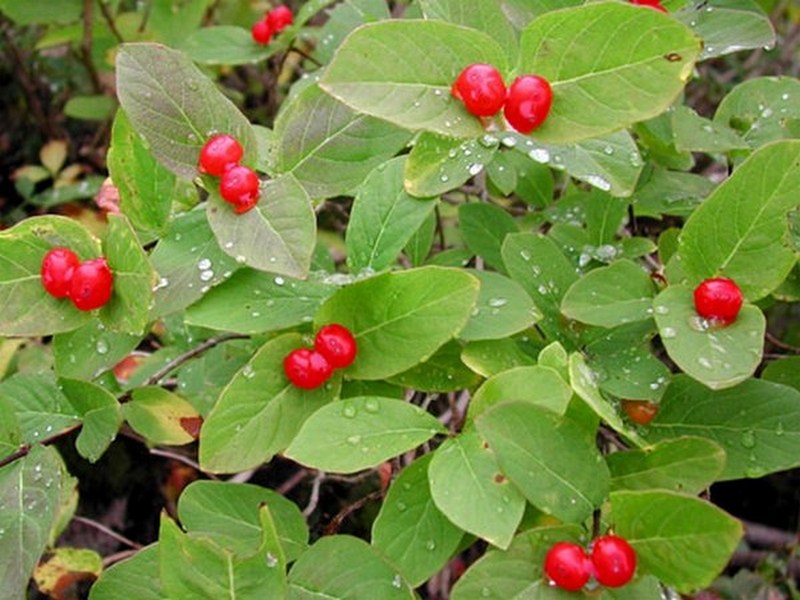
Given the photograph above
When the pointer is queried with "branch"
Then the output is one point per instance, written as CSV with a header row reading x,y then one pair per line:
x,y
25,449
86,45
109,532
333,526
176,362
109,18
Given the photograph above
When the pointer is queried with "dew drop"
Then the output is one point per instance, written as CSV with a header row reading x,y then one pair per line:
x,y
509,141
279,280
540,155
206,275
272,560
704,362
371,405
748,439
349,410
475,168
354,440
662,310
204,264
240,259
444,178
101,346
497,302
598,182
430,545
401,506
668,332
397,582
608,150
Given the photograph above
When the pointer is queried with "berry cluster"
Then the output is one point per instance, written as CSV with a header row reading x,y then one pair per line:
x,y
612,563
651,3
274,21
88,284
525,104
239,185
334,348
719,300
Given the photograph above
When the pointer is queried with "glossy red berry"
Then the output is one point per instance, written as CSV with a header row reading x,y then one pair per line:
x,y
261,32
337,344
480,87
640,412
279,18
567,566
92,283
307,368
528,103
58,266
719,299
218,153
651,3
240,186
614,561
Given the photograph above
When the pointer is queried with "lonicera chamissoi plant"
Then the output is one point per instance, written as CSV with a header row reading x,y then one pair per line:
x,y
512,294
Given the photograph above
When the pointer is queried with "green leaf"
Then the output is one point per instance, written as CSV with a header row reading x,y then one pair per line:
x,y
609,296
100,413
58,11
98,107
259,412
277,235
172,23
442,372
537,385
175,107
29,494
25,308
671,193
421,241
90,350
360,433
228,514
719,357
503,308
341,567
742,226
547,458
383,218
489,357
342,19
328,147
757,423
683,541
410,531
160,416
400,319
785,371
467,486
484,227
600,87
402,71
135,577
438,163
226,45
42,410
686,464
255,302
695,133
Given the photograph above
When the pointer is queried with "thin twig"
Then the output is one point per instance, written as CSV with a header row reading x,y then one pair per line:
x,y
109,18
109,532
117,556
314,498
782,345
336,522
86,45
25,449
176,362
291,483
181,459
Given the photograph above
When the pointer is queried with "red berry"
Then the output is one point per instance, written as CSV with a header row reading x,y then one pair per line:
x,y
614,560
92,282
651,3
480,87
567,565
719,299
218,153
306,368
261,32
528,103
337,344
58,266
640,412
279,18
240,186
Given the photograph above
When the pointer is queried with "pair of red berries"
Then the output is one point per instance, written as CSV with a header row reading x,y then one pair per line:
x,y
612,562
718,299
239,185
274,21
88,284
525,104
651,3
334,348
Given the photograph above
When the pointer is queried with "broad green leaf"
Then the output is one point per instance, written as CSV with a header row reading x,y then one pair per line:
x,y
522,12
175,107
489,357
25,308
341,20
189,262
227,513
727,26
383,218
33,13
547,458
328,147
171,22
683,541
410,531
341,567
484,227
88,351
277,235
100,413
226,45
537,385
600,87
400,319
442,372
10,433
145,187
29,495
719,357
599,214
438,163
254,302
98,107
657,138
259,412
421,242
402,70
468,487
609,296
360,433
161,416
503,308
742,226
671,193
127,311
695,133
42,410
757,423
534,181
686,464
785,370
502,174
135,577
